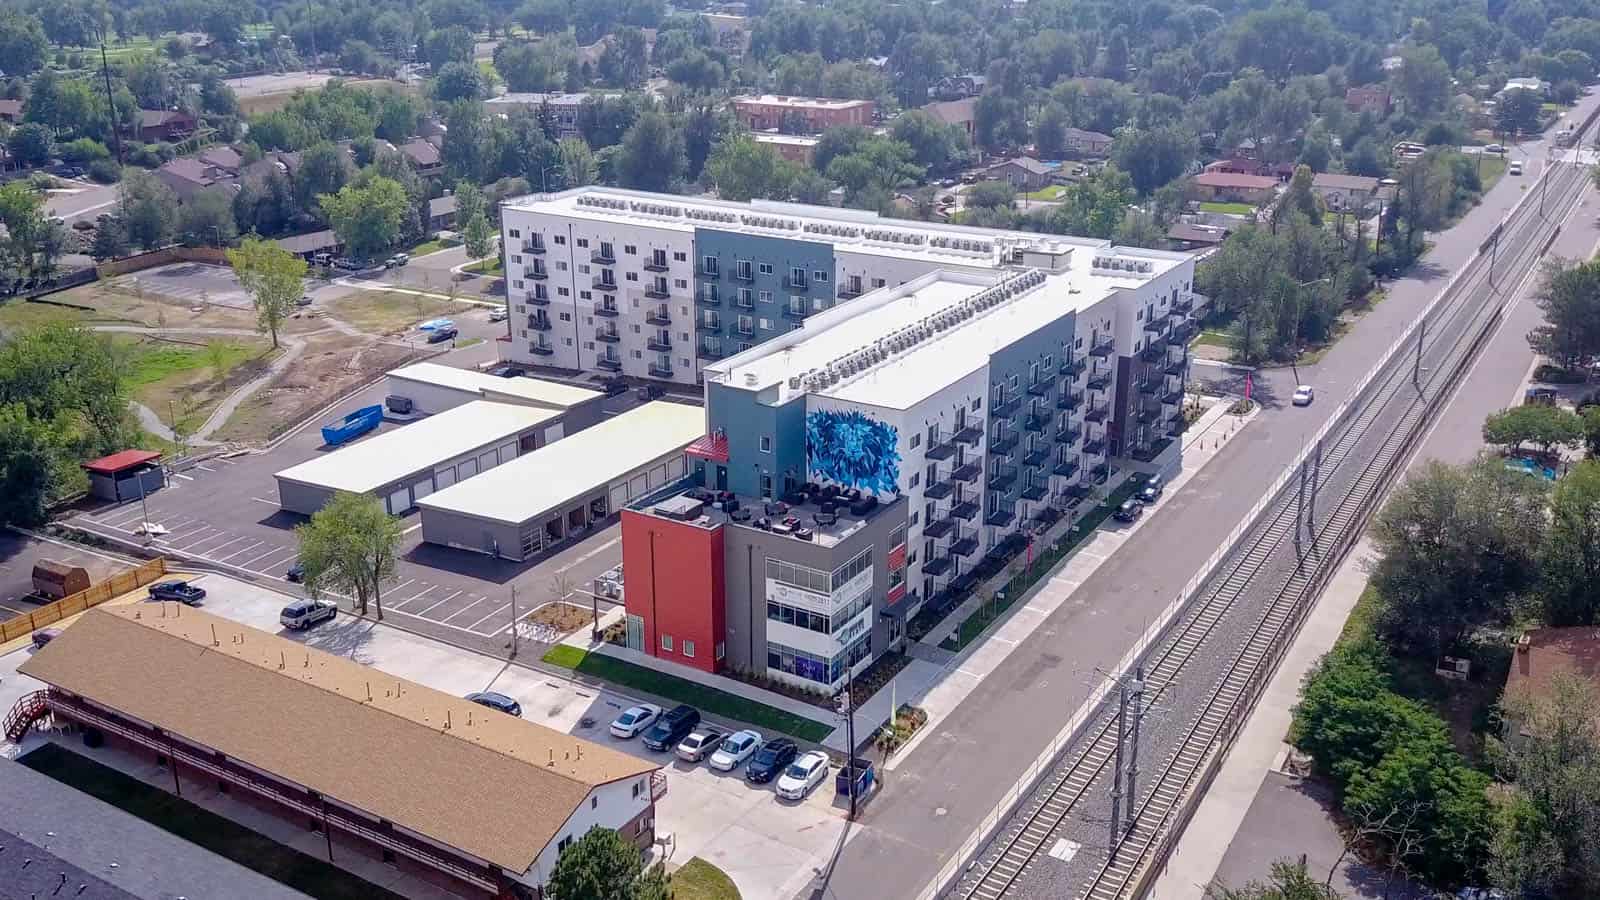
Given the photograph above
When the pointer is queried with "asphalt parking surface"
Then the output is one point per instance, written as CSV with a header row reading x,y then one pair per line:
x,y
18,553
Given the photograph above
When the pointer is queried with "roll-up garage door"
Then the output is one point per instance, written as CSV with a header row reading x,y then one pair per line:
x,y
466,469
555,432
619,495
421,489
638,486
508,452
676,467
488,460
399,501
658,476
445,477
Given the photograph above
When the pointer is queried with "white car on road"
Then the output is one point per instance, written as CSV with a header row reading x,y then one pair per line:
x,y
803,775
739,746
635,720
1303,395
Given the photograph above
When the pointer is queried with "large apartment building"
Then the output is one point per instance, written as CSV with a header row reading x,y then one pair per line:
x,y
800,115
866,463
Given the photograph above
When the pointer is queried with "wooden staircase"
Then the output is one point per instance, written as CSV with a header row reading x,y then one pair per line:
x,y
30,709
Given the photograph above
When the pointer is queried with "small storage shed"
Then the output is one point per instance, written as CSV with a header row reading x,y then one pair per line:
x,y
125,475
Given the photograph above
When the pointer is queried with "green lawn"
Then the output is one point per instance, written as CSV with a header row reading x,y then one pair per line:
x,y
1048,192
486,267
149,362
202,827
1235,209
426,247
1490,170
700,880
707,699
1214,339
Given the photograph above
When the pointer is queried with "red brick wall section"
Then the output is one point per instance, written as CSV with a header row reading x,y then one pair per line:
x,y
673,580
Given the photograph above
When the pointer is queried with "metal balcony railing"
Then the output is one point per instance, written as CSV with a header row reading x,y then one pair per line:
x,y
604,257
658,316
609,312
658,344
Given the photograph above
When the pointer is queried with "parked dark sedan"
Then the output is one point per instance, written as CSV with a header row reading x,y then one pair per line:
x,y
181,591
773,757
672,728
1129,510
496,700
440,335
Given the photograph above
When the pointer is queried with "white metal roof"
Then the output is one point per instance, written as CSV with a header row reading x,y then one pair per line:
x,y
372,463
539,392
573,466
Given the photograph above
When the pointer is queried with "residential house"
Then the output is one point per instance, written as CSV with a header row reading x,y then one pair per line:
x,y
1523,84
10,111
729,33
188,177
164,125
561,107
800,115
793,147
1543,654
1373,98
1230,187
423,154
1082,143
441,212
957,87
223,157
1023,173
1236,165
1344,192
960,113
1194,236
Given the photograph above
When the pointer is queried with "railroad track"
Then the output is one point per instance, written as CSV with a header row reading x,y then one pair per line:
x,y
1256,555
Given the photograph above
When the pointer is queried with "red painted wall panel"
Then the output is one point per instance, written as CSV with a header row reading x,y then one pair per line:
x,y
673,580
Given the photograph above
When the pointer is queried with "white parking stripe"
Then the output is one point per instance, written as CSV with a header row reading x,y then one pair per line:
x,y
465,608
236,540
431,588
254,559
436,623
219,536
204,466
399,587
426,611
474,625
195,527
245,549
183,476
192,537
120,518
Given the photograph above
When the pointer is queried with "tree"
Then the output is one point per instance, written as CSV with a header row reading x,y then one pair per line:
x,y
933,143
652,154
740,169
1050,132
448,45
1545,426
324,169
1569,296
1153,157
30,144
458,81
348,547
1569,555
28,464
696,71
625,62
216,97
473,220
1423,81
1457,544
603,866
992,195
367,217
1518,112
22,43
1290,881
207,219
274,277
578,166
31,242
150,210
110,240
999,122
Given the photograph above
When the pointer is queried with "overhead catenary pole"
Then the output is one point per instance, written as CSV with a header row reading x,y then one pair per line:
x,y
514,634
1416,365
1316,482
1116,769
1137,691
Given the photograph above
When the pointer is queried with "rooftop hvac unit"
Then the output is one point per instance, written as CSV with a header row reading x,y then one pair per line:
x,y
794,382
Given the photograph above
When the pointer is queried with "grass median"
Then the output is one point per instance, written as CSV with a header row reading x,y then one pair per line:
x,y
203,828
700,880
670,687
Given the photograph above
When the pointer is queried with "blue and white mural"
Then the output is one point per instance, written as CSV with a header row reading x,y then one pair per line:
x,y
853,451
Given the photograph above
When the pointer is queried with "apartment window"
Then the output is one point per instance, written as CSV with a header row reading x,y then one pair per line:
x,y
515,233
806,579
897,536
566,317
561,239
561,266
583,242
797,276
765,296
637,786
766,443
630,249
542,292
708,265
563,292
583,268
682,283
1047,361
978,401
878,282
680,257
632,276
916,441
517,283
851,569
585,295
766,268
666,642
916,480
741,268
819,276
565,843
767,324
594,802
688,649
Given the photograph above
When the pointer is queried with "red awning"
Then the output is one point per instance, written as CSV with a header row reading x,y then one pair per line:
x,y
712,446
117,462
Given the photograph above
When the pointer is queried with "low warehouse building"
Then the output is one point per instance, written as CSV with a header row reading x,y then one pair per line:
x,y
408,463
471,800
433,388
558,492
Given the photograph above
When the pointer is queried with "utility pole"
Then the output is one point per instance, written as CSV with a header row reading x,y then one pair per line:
x,y
1299,509
847,705
1311,504
514,634
1494,253
1416,366
1116,774
111,102
1137,691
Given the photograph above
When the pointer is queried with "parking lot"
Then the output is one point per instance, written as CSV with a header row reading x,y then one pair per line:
x,y
18,553
768,846
224,511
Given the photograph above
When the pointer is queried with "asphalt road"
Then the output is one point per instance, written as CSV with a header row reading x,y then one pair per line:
x,y
84,199
952,780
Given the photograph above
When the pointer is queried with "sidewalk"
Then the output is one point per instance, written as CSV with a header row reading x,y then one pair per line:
x,y
1260,747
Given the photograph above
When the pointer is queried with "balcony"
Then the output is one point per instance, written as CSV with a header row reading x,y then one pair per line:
x,y
1001,517
1100,473
1100,382
1149,415
1035,421
657,265
1041,388
744,302
967,472
798,313
970,433
1103,349
1182,308
1178,366
1036,457
1150,386
936,566
1068,435
606,282
940,447
541,349
1155,353
536,300
938,528
609,363
745,328
1074,368
536,248
850,292
708,296
1066,468
657,292
707,351
965,545
658,344
657,370
658,316
1002,478
1097,413
1182,334
1007,408
1095,447
965,511
1070,400
1172,398
1156,324
536,274
610,312
603,256
1003,443
539,323
938,490
710,271
712,325
1034,492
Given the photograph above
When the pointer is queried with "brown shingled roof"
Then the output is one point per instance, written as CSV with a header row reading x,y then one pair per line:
x,y
1548,651
490,785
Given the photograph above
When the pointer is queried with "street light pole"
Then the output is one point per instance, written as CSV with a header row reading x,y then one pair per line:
x,y
544,176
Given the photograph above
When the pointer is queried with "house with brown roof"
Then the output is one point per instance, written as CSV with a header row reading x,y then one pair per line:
x,y
423,154
223,157
164,124
1231,187
960,113
462,797
1344,192
1081,142
1543,654
1373,98
188,176
1194,236
10,111
1023,173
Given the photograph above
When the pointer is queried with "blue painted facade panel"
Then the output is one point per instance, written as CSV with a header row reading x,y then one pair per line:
x,y
746,421
1021,455
745,287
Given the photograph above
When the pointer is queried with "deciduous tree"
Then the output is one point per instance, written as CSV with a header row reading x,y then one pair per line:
x,y
348,547
274,277
1569,556
368,215
603,866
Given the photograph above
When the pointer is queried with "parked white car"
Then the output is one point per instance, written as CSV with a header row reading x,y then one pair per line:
x,y
635,720
739,746
803,775
700,743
